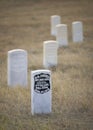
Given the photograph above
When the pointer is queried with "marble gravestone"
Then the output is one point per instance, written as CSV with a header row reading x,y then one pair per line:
x,y
77,31
17,67
55,20
41,92
62,35
50,53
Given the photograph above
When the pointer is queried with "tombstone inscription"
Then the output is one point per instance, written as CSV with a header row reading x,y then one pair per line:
x,y
41,91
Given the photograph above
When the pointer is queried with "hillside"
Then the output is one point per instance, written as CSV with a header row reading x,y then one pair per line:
x,y
25,24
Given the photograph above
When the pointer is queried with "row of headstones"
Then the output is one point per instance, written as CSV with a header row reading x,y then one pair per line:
x,y
61,32
40,79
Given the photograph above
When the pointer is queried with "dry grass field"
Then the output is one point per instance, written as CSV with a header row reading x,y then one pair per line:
x,y
25,24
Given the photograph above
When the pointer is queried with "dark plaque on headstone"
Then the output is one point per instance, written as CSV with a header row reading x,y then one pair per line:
x,y
42,83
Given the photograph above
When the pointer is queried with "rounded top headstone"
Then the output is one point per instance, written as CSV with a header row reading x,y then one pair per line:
x,y
50,41
16,50
76,22
61,25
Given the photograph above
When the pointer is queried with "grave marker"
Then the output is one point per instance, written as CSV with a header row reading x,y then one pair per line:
x,y
62,36
41,92
55,20
50,53
77,31
17,67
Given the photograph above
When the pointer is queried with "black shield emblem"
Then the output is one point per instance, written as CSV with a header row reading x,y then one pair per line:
x,y
42,83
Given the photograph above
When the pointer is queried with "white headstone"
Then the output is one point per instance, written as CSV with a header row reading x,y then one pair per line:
x,y
50,53
41,92
62,35
55,20
17,67
77,31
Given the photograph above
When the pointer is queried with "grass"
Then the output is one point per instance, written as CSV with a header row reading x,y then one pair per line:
x,y
25,25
